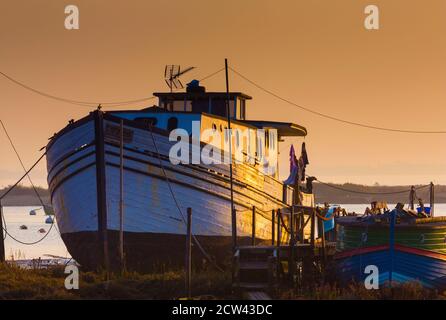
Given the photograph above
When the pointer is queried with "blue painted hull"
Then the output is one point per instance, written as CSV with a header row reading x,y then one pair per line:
x,y
154,227
404,265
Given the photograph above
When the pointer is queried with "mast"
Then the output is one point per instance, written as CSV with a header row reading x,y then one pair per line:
x,y
233,213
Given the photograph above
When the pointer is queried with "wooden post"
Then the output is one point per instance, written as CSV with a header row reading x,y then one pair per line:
x,y
279,228
291,257
313,220
188,270
253,235
233,212
302,226
392,244
273,227
234,230
412,198
324,254
121,200
431,199
279,237
2,243
100,190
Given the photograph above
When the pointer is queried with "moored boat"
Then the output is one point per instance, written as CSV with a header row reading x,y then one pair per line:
x,y
83,163
410,249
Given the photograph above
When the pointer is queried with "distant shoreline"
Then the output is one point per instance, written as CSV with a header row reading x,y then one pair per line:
x,y
25,196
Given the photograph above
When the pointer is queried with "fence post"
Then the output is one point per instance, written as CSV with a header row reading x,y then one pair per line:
x,y
273,227
279,229
2,243
291,261
313,235
324,254
121,198
253,236
189,253
392,244
431,198
234,230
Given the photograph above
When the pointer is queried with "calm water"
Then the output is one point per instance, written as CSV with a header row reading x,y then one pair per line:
x,y
53,244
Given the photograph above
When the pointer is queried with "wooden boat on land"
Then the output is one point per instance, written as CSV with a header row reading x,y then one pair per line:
x,y
414,251
83,163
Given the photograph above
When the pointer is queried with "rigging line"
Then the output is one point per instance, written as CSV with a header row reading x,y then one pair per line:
x,y
369,193
358,124
177,204
23,177
5,228
89,103
4,225
21,163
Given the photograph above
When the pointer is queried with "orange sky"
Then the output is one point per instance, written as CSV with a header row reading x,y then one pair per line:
x,y
316,53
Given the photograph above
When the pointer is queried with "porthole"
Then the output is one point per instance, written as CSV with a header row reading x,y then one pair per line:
x,y
172,123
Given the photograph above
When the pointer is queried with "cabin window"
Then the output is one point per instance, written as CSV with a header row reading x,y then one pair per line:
x,y
178,105
259,147
267,138
218,107
272,139
237,138
242,115
200,105
214,127
172,123
188,106
147,121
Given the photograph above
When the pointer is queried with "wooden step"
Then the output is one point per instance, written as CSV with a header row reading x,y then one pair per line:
x,y
253,265
256,295
253,285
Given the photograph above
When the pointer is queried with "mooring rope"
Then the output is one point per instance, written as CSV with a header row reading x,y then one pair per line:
x,y
23,177
21,163
5,228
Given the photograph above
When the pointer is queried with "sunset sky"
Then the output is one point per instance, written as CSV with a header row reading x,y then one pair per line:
x,y
315,53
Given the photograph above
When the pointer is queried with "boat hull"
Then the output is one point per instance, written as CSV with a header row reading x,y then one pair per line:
x,y
402,265
156,197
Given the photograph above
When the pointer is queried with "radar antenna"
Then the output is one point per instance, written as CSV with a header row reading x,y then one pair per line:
x,y
172,75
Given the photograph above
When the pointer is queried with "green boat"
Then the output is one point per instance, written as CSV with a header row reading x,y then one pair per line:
x,y
414,249
421,233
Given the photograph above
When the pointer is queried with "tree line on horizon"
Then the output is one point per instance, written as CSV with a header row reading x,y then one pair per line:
x,y
24,195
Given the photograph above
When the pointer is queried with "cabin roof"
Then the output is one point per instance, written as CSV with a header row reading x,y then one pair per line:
x,y
284,129
185,95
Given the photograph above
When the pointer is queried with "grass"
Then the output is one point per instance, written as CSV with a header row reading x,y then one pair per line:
x,y
16,283
357,291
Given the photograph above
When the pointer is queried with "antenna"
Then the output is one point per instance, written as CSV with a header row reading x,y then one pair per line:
x,y
172,74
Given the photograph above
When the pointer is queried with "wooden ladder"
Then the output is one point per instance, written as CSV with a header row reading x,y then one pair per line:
x,y
255,271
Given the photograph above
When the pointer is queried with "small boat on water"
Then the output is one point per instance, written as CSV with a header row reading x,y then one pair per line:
x,y
83,163
49,220
410,249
